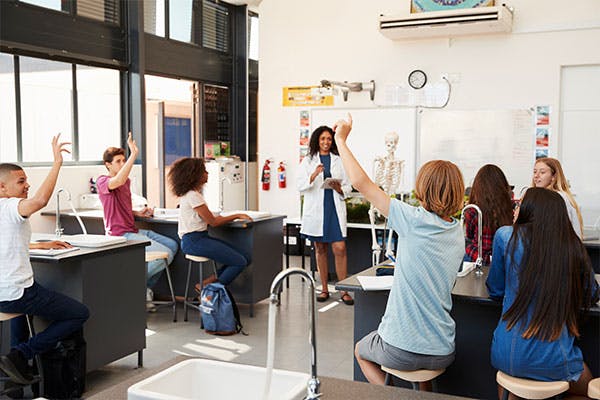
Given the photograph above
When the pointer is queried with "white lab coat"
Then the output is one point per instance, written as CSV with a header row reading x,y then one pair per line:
x,y
312,215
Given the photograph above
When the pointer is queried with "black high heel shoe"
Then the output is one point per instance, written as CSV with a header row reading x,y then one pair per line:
x,y
322,297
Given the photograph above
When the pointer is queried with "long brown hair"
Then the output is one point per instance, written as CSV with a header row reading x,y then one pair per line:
x,y
560,184
555,273
185,175
490,192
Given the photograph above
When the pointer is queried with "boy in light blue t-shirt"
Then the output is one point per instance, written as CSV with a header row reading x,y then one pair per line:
x,y
416,331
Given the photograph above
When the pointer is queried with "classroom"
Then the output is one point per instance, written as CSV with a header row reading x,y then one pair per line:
x,y
427,167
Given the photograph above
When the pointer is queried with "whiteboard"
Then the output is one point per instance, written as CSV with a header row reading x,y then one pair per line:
x,y
471,139
367,139
580,136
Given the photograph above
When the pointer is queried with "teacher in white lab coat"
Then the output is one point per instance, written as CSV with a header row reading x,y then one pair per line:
x,y
324,210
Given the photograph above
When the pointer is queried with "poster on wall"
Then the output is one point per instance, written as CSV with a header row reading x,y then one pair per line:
x,y
542,131
419,6
304,133
307,96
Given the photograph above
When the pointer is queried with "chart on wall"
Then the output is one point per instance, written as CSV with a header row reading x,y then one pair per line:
x,y
367,139
472,139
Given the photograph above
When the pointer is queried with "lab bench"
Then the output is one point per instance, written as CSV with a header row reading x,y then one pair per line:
x,y
476,316
111,282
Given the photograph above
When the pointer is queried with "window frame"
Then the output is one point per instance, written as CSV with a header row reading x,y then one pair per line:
x,y
74,115
71,10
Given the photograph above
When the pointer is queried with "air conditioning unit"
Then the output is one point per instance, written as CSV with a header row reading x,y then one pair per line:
x,y
460,22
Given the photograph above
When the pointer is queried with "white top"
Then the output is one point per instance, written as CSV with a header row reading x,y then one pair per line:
x,y
312,217
572,214
16,273
189,220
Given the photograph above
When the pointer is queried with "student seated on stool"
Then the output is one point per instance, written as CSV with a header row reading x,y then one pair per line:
x,y
542,273
19,293
114,191
416,331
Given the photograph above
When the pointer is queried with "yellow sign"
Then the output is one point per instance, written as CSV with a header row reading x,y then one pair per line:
x,y
307,96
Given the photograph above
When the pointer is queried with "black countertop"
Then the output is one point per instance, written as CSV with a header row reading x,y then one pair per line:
x,y
88,252
470,287
158,220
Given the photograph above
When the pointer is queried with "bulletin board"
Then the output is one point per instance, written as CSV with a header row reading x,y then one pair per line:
x,y
367,139
472,139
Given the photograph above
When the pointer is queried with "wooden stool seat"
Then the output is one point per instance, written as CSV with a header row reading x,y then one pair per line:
x,y
156,255
530,389
8,316
420,375
199,259
594,389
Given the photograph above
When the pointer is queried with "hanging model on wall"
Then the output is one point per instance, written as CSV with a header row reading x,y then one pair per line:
x,y
346,87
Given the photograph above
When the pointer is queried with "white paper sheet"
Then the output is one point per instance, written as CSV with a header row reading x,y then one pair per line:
x,y
376,282
51,252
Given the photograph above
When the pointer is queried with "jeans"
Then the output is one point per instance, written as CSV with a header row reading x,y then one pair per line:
x,y
158,242
65,314
200,244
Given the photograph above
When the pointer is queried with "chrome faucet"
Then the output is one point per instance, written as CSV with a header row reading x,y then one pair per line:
x,y
59,230
479,261
313,385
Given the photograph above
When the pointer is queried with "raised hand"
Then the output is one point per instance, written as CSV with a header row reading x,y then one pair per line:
x,y
132,145
342,128
58,148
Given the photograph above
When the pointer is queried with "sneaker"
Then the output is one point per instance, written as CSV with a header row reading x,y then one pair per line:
x,y
150,308
15,365
149,294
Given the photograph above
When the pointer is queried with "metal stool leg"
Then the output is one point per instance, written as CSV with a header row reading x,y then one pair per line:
x,y
172,294
201,270
36,359
187,286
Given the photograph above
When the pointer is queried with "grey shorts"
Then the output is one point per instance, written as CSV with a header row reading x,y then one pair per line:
x,y
373,348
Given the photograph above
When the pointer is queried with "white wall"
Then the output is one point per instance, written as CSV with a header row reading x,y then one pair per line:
x,y
302,42
76,180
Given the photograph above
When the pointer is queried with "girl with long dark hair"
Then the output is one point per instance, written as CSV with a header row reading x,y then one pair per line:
x,y
491,193
543,272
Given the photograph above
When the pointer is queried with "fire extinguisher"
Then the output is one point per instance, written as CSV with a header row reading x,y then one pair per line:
x,y
266,176
281,175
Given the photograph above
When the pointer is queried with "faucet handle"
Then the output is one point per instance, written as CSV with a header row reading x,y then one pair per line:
x,y
59,232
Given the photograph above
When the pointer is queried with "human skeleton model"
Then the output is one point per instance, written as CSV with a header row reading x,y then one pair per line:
x,y
387,173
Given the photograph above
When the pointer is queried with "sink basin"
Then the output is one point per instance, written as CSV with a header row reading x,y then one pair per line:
x,y
208,379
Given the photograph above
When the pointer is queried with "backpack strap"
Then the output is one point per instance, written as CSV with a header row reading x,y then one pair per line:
x,y
236,313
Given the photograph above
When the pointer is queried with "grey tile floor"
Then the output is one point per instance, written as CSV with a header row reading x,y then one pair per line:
x,y
165,339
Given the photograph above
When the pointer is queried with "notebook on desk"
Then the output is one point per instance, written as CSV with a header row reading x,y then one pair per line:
x,y
51,252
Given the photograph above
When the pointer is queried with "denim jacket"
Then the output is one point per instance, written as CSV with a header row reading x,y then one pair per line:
x,y
530,358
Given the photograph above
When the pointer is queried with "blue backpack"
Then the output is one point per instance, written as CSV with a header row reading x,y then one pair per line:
x,y
218,310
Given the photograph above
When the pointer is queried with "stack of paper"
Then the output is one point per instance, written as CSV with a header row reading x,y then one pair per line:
x,y
376,282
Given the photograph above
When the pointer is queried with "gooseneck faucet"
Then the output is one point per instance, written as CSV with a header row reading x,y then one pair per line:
x,y
59,230
312,390
479,261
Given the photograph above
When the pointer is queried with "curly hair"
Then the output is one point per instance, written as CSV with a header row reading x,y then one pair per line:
x,y
185,175
313,145
491,193
440,188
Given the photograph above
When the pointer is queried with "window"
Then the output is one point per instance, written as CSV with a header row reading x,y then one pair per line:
x,y
46,106
101,10
8,112
181,20
253,37
215,26
154,17
51,4
98,111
